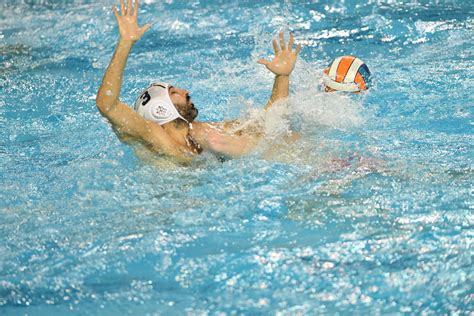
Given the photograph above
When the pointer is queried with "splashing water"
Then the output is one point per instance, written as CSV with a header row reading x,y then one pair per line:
x,y
352,203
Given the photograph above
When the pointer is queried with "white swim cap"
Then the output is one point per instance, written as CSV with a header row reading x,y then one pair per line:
x,y
154,104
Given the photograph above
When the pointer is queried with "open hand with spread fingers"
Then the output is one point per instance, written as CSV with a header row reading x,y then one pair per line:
x,y
127,21
285,57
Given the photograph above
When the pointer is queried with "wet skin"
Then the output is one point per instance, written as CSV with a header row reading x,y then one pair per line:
x,y
173,139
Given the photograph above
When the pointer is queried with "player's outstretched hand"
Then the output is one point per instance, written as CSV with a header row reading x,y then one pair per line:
x,y
285,57
127,21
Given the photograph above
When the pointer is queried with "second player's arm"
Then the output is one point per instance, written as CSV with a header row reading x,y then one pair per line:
x,y
282,66
230,139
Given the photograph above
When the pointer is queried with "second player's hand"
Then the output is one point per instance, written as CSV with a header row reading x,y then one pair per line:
x,y
285,57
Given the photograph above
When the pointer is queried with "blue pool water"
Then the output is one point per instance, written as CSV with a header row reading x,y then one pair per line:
x,y
89,228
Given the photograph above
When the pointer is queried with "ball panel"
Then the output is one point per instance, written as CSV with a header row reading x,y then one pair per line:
x,y
343,68
359,80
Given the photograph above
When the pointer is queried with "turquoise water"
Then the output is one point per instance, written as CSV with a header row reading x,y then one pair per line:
x,y
89,228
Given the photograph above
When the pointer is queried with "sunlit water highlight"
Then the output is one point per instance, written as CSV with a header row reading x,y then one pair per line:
x,y
369,211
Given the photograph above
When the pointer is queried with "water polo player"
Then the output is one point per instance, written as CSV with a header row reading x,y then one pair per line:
x,y
163,116
346,73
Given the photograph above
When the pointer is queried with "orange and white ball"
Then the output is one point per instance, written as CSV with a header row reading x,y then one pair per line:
x,y
347,73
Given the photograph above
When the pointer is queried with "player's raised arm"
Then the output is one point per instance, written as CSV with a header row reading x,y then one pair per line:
x,y
123,118
109,91
282,66
233,140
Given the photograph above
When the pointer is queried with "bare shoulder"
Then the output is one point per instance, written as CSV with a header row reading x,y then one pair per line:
x,y
226,127
204,132
130,126
220,140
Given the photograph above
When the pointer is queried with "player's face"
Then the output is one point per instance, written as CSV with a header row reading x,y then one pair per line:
x,y
183,103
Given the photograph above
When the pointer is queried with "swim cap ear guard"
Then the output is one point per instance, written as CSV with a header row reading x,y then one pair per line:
x,y
154,104
347,73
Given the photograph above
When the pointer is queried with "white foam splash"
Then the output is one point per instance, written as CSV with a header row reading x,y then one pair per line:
x,y
309,109
333,110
